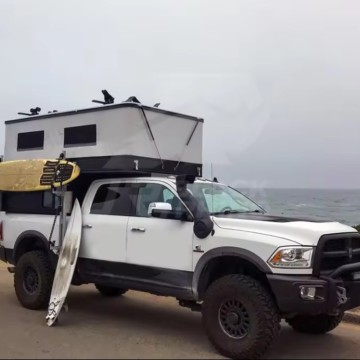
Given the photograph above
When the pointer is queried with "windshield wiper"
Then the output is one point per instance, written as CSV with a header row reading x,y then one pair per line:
x,y
226,212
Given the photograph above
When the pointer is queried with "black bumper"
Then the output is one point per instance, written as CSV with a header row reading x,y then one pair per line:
x,y
286,289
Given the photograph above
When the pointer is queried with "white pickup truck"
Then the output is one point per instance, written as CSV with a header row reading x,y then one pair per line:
x,y
201,242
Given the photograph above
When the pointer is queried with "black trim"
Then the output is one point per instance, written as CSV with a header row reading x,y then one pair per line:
x,y
345,270
287,293
321,254
160,281
203,225
267,217
226,251
127,163
103,108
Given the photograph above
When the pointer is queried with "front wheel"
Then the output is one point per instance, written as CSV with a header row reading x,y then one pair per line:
x,y
33,280
318,324
240,317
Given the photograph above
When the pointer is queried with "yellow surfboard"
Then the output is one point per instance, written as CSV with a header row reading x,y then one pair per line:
x,y
36,174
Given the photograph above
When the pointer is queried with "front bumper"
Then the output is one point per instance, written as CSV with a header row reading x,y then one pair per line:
x,y
332,294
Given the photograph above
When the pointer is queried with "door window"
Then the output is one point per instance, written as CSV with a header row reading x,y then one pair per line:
x,y
113,199
149,193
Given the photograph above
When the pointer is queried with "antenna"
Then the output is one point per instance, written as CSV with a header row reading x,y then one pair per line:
x,y
108,99
157,105
212,190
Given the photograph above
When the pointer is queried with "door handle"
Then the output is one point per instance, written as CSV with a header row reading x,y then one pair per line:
x,y
141,229
87,226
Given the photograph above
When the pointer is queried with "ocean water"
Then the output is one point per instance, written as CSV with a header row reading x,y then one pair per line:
x,y
338,205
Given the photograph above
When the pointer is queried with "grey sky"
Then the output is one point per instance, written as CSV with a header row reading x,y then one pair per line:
x,y
277,82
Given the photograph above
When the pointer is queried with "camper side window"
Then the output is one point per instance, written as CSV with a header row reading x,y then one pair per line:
x,y
33,140
80,135
113,199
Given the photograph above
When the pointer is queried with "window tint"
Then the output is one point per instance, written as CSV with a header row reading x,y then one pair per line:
x,y
80,135
113,199
155,193
33,140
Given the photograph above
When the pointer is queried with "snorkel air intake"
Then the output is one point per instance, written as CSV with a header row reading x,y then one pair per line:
x,y
203,225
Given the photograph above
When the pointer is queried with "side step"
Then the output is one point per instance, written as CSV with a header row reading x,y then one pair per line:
x,y
193,305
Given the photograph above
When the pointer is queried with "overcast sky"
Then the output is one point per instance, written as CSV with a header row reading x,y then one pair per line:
x,y
277,81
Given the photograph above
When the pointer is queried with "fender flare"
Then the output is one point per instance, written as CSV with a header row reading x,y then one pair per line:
x,y
227,251
32,234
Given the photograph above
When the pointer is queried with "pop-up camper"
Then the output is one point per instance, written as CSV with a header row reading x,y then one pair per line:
x,y
111,138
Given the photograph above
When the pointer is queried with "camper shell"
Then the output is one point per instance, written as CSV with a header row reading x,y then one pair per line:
x,y
112,138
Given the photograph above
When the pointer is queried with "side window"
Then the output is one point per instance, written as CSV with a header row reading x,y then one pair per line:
x,y
33,140
113,199
155,193
80,135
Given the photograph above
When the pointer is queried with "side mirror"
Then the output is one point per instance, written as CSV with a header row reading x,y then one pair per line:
x,y
158,206
165,211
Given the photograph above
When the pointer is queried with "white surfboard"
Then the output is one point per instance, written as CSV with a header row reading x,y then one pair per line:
x,y
66,264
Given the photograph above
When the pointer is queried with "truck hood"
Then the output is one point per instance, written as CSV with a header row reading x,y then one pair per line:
x,y
304,231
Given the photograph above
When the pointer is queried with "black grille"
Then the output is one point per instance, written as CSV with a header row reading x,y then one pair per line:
x,y
336,250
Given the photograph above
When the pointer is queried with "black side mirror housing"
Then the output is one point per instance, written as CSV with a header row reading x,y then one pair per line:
x,y
171,214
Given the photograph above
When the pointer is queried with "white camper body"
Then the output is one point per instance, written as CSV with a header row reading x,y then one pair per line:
x,y
125,136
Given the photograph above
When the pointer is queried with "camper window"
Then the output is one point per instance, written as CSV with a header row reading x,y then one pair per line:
x,y
33,140
80,135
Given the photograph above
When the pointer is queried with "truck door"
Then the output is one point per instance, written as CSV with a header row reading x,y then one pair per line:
x,y
105,217
158,242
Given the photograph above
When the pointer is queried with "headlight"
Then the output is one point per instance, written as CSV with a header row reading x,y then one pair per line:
x,y
292,257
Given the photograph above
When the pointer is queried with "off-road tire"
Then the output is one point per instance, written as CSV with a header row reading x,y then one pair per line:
x,y
110,291
263,317
39,264
318,324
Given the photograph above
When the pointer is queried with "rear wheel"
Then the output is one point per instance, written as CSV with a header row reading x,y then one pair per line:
x,y
240,317
318,324
33,280
110,291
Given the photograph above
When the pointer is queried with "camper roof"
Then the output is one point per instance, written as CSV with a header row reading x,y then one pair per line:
x,y
103,108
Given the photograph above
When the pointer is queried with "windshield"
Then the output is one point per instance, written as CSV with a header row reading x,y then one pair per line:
x,y
221,199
